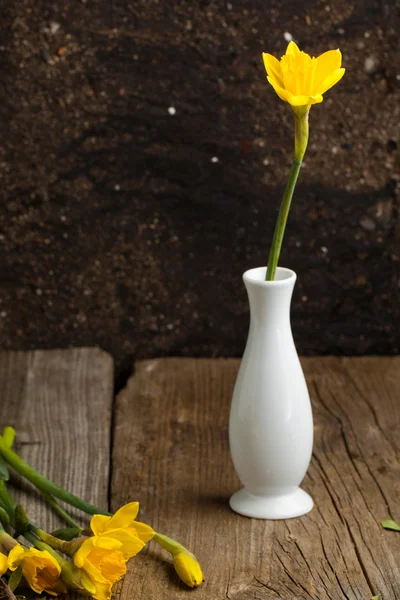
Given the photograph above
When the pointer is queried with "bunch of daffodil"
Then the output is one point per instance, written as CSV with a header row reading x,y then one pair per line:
x,y
300,80
88,561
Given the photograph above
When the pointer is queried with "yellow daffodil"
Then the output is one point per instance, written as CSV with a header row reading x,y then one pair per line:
x,y
124,518
301,80
103,557
115,540
188,568
40,569
104,562
3,563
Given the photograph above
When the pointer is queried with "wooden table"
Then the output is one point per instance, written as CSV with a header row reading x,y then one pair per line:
x,y
164,442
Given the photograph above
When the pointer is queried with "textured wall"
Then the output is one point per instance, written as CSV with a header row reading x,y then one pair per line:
x,y
129,227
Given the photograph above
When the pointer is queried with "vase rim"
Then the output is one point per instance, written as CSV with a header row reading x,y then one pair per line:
x,y
283,277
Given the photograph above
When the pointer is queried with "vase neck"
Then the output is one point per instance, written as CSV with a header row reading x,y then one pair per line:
x,y
269,301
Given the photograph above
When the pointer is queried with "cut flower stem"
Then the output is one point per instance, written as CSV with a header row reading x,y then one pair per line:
x,y
59,510
43,484
300,146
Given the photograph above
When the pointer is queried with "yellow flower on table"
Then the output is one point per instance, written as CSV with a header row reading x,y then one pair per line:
x,y
39,567
124,518
103,557
301,80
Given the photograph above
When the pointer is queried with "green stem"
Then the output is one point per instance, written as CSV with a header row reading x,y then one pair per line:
x,y
60,511
300,146
167,543
7,501
43,484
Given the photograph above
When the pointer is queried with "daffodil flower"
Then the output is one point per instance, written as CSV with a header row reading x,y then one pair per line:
x,y
301,80
104,555
40,569
124,518
104,561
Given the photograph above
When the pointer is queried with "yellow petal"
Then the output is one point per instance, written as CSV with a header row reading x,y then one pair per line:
x,y
98,523
82,553
292,48
331,80
273,68
305,100
103,591
3,564
93,572
142,531
130,544
15,557
124,516
327,63
88,584
294,100
282,93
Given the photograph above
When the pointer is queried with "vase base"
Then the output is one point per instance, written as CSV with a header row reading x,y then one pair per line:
x,y
291,505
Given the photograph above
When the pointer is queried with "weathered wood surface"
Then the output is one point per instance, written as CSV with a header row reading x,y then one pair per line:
x,y
171,453
60,402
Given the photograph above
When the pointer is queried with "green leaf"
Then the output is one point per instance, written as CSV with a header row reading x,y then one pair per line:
x,y
4,474
15,579
376,597
389,524
21,521
4,518
67,533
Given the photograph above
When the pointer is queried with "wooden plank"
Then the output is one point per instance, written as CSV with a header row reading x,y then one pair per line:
x,y
60,403
171,453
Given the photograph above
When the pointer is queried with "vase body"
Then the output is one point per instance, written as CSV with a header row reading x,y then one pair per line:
x,y
270,426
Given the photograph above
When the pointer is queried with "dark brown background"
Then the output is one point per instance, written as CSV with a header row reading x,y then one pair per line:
x,y
118,229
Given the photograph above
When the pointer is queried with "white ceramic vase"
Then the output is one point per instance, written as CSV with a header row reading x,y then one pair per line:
x,y
271,426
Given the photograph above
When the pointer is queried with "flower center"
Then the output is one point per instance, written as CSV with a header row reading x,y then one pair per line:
x,y
110,563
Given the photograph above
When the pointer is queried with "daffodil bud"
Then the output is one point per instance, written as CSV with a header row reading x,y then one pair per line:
x,y
185,563
4,518
188,568
20,520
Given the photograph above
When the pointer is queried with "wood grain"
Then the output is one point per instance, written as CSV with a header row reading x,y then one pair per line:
x,y
171,453
60,403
